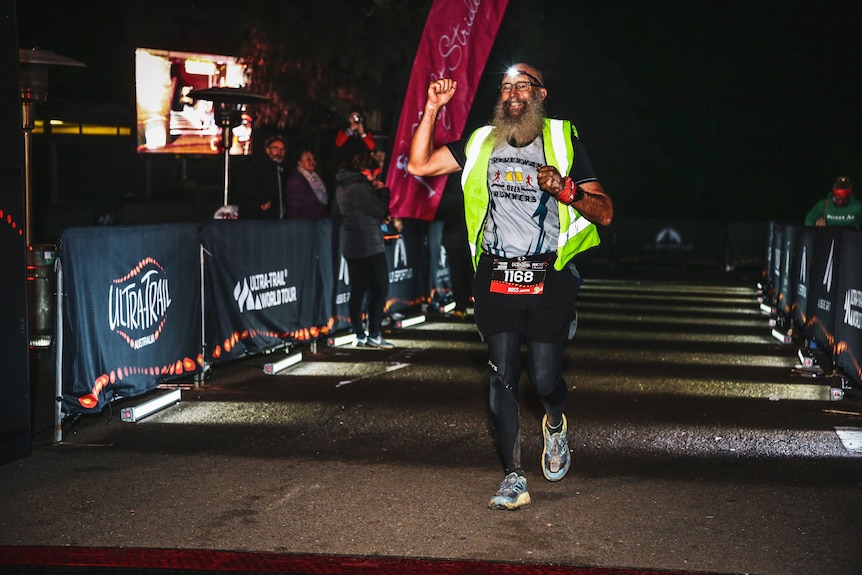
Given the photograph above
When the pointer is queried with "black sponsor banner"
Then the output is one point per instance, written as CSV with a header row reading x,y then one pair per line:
x,y
408,267
801,270
745,241
848,324
262,285
341,310
823,287
776,260
767,257
787,282
439,276
670,242
131,313
326,254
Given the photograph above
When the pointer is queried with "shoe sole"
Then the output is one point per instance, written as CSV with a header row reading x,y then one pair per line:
x,y
559,474
501,503
545,471
373,346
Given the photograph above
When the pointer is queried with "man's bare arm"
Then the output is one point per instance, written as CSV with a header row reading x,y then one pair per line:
x,y
425,159
595,205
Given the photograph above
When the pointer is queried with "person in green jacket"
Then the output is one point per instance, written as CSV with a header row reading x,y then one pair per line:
x,y
839,208
531,202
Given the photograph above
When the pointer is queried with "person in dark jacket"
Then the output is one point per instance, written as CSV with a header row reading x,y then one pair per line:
x,y
261,189
364,205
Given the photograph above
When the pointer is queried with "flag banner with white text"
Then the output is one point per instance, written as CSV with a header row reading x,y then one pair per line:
x,y
131,313
262,285
455,43
848,321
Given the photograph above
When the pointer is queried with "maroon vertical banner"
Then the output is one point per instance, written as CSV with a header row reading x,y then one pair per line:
x,y
455,44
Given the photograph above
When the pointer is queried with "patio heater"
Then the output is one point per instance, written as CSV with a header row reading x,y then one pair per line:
x,y
229,105
33,83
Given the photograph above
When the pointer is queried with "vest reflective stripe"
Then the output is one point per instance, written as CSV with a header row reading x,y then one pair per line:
x,y
474,182
576,232
473,145
560,140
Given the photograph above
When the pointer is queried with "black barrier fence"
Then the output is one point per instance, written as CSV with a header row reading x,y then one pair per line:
x,y
681,243
145,304
813,292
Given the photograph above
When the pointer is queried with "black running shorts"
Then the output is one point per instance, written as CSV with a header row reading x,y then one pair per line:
x,y
544,317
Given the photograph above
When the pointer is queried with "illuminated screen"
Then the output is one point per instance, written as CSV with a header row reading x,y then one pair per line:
x,y
169,120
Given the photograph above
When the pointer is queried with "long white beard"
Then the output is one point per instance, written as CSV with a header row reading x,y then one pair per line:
x,y
522,130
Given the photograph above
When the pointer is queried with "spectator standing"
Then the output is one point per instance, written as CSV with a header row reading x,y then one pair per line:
x,y
364,207
530,200
353,139
839,208
305,194
262,188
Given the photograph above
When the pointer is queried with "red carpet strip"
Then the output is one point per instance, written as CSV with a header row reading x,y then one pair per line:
x,y
111,560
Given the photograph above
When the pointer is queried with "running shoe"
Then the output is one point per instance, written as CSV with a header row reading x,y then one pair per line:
x,y
512,493
555,456
378,342
361,340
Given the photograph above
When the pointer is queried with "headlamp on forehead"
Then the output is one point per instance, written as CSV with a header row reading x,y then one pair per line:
x,y
514,72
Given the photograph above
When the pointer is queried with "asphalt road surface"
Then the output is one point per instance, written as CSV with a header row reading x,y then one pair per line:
x,y
694,447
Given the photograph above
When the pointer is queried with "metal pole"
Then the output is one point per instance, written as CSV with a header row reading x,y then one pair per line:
x,y
226,162
28,110
204,367
58,338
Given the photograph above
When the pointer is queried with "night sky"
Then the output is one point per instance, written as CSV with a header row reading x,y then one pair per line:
x,y
710,110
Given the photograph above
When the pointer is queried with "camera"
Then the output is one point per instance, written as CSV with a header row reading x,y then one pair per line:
x,y
356,118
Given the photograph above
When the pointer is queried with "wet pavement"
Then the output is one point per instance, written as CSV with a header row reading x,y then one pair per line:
x,y
694,447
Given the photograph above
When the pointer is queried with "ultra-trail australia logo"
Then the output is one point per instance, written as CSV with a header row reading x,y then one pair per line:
x,y
264,290
138,303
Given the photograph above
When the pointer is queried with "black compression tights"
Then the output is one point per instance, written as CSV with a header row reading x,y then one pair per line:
x,y
544,366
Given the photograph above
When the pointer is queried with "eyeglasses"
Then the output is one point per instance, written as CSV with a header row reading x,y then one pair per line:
x,y
519,86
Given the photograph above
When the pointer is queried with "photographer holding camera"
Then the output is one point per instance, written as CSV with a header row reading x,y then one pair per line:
x,y
354,139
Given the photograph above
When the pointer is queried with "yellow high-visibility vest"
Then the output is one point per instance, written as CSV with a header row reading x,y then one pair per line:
x,y
576,233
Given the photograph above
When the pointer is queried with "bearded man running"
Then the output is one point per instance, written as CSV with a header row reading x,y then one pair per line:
x,y
531,202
